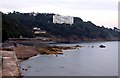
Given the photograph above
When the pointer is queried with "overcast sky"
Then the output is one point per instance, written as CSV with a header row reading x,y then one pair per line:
x,y
100,12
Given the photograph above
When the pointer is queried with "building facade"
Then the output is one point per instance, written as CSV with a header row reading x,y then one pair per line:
x,y
37,30
63,19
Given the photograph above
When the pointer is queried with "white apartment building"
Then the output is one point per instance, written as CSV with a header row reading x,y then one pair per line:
x,y
63,19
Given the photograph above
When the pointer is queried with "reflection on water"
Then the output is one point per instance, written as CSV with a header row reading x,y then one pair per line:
x,y
86,61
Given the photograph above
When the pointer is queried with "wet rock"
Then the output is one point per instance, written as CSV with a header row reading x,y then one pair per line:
x,y
56,55
102,46
77,46
26,69
23,69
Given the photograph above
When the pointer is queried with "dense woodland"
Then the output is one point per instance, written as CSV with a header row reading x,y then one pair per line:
x,y
18,24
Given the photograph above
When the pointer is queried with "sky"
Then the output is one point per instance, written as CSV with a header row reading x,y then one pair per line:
x,y
100,12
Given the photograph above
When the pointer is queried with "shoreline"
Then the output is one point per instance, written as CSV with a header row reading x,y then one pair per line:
x,y
25,52
58,40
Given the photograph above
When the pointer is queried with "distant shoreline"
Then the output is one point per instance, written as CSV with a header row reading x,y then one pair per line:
x,y
57,40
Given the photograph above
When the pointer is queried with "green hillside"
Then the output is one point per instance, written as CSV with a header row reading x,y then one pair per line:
x,y
16,24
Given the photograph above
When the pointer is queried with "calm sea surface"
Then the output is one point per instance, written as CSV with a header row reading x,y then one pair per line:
x,y
86,61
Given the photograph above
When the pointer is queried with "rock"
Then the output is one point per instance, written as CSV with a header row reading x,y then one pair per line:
x,y
102,46
26,69
77,46
56,55
22,68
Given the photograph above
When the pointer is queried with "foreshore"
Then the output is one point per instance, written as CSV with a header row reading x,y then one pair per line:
x,y
25,52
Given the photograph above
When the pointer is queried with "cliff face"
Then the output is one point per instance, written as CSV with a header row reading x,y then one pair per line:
x,y
16,24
